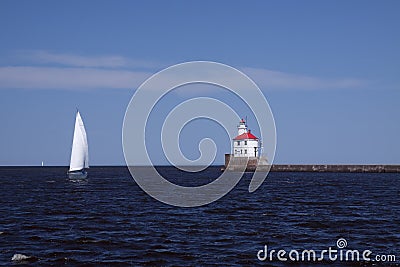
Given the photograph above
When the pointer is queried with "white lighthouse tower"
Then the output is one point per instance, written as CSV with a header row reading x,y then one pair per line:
x,y
245,144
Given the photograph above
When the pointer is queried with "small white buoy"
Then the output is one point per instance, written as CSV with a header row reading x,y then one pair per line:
x,y
19,257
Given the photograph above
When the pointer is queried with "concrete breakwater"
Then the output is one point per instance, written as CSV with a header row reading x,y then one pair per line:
x,y
251,163
378,168
319,168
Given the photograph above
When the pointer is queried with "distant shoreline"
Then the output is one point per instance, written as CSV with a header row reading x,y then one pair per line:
x,y
350,168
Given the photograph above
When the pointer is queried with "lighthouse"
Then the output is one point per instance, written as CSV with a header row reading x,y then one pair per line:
x,y
246,152
245,144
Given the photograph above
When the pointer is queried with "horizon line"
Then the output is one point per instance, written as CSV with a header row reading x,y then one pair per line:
x,y
217,165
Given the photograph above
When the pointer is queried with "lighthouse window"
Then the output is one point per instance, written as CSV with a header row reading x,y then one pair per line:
x,y
245,143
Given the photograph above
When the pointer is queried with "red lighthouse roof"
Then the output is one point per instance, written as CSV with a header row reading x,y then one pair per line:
x,y
247,135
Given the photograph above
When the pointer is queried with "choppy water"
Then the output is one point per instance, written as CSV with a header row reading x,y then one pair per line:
x,y
110,220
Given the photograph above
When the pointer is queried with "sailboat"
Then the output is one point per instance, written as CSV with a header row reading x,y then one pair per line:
x,y
79,154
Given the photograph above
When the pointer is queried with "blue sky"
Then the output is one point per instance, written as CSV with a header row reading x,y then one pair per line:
x,y
329,69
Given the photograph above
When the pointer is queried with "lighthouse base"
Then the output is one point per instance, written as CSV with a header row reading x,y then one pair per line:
x,y
252,163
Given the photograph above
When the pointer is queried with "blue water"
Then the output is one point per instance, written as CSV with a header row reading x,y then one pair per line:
x,y
109,220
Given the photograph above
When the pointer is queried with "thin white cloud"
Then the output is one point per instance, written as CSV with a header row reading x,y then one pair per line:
x,y
70,60
276,80
66,71
68,78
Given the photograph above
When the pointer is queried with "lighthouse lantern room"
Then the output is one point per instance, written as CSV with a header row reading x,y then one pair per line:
x,y
245,144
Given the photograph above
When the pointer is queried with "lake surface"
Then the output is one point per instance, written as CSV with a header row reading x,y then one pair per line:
x,y
109,220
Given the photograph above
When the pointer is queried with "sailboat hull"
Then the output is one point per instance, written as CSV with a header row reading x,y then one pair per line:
x,y
77,174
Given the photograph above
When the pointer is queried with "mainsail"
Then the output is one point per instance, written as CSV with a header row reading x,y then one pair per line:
x,y
79,153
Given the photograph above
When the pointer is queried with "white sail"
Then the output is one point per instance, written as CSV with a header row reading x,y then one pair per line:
x,y
79,153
